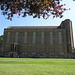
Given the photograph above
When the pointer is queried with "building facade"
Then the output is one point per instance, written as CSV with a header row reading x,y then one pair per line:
x,y
39,41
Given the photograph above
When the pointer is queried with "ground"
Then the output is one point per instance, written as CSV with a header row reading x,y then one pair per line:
x,y
37,66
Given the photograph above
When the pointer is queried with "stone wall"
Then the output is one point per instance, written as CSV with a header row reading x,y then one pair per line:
x,y
39,49
1,49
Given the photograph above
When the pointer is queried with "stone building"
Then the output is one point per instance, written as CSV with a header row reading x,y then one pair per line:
x,y
1,48
39,41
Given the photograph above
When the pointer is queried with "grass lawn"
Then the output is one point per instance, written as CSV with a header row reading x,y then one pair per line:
x,y
37,66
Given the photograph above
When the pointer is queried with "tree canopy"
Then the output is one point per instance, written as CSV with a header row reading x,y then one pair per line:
x,y
35,8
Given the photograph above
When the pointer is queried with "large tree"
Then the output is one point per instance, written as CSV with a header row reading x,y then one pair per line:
x,y
35,8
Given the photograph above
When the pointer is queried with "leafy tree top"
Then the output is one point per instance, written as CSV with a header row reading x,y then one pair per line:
x,y
35,8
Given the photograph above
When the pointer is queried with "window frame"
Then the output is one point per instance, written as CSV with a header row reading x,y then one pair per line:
x,y
25,37
8,37
51,37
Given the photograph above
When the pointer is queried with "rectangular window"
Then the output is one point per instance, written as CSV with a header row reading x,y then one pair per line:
x,y
8,37
24,55
12,47
6,54
34,37
51,55
61,55
33,54
16,39
42,38
51,38
60,38
25,38
42,55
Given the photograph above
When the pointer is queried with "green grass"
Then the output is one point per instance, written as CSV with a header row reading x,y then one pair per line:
x,y
37,66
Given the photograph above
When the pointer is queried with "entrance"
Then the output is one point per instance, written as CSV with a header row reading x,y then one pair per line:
x,y
14,50
15,47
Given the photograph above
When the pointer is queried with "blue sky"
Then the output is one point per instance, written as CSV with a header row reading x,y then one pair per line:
x,y
30,21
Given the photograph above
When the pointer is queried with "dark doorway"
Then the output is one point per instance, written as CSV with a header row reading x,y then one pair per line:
x,y
15,48
12,47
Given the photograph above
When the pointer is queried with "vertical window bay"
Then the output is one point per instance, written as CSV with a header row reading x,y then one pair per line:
x,y
16,38
34,37
25,37
8,37
51,38
42,38
60,37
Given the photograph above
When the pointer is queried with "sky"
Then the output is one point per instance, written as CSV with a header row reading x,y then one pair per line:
x,y
30,21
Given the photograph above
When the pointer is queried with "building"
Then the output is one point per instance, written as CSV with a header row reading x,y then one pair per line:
x,y
1,44
39,41
1,48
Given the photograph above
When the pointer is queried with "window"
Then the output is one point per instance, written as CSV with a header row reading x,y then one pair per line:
x,y
33,54
61,55
6,54
51,38
34,37
51,55
8,37
42,38
12,47
60,38
16,39
42,55
24,55
25,38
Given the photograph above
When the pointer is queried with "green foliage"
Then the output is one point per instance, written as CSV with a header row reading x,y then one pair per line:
x,y
37,66
1,38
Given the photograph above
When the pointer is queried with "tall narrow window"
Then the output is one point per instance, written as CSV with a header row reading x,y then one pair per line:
x,y
34,37
51,38
60,38
25,38
42,38
8,37
16,39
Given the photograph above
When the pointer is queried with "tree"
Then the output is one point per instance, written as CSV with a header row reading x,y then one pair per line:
x,y
35,8
1,38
